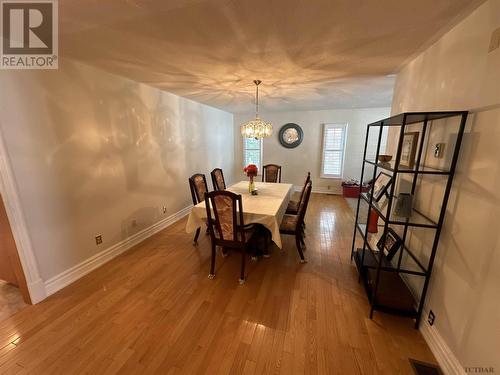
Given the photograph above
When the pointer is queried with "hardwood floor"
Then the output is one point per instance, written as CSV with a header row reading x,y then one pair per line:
x,y
11,300
153,310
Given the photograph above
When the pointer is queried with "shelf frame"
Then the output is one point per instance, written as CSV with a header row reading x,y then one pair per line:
x,y
407,221
408,171
403,120
423,270
410,311
409,118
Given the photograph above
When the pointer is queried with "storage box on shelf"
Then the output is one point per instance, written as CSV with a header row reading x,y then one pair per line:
x,y
386,281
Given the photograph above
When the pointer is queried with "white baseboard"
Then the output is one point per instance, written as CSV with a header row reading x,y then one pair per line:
x,y
37,291
319,190
324,190
74,273
447,361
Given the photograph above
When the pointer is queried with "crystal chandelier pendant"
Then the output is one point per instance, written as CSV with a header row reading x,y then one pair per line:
x,y
256,128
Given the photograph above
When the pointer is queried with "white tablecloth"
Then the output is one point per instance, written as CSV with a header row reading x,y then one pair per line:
x,y
267,208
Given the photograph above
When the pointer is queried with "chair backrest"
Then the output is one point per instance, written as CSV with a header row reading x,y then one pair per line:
x,y
308,178
304,203
218,179
272,173
226,223
198,186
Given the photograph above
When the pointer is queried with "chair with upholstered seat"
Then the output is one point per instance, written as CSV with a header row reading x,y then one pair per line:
x,y
198,186
226,226
293,206
293,224
218,179
271,173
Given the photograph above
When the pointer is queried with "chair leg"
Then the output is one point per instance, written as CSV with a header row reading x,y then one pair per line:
x,y
195,240
211,275
299,248
302,242
242,273
267,234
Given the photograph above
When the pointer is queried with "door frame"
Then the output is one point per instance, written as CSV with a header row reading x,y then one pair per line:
x,y
15,215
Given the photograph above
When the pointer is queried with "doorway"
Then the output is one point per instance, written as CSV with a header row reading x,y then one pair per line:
x,y
14,294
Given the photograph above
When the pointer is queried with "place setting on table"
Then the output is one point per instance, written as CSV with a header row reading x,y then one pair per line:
x,y
248,213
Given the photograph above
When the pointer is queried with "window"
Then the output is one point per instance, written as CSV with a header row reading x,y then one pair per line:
x,y
252,152
334,136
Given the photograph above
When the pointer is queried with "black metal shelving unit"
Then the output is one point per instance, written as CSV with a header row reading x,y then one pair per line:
x,y
387,290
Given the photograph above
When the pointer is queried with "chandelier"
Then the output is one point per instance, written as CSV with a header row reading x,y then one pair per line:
x,y
256,128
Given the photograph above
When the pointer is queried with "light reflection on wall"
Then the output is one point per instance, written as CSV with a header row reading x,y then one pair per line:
x,y
94,153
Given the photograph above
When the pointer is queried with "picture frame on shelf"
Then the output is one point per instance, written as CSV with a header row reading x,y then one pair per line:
x,y
382,203
404,205
380,185
389,243
409,150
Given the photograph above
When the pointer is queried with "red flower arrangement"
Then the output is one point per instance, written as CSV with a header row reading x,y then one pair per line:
x,y
251,170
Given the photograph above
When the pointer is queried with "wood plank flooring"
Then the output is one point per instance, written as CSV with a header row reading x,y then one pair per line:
x,y
153,310
11,300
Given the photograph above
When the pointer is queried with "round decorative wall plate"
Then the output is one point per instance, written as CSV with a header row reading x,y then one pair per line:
x,y
291,135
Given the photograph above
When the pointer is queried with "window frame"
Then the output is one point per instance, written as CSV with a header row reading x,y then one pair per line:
x,y
261,150
344,127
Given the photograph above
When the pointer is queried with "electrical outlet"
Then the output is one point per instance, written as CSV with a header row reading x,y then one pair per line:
x,y
98,239
164,209
431,318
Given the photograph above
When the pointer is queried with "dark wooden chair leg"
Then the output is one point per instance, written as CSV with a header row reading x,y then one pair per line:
x,y
299,248
211,275
195,240
267,236
242,273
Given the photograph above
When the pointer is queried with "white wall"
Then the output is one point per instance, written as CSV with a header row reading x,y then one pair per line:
x,y
458,73
92,152
307,156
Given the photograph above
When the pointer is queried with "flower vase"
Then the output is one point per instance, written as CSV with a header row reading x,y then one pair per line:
x,y
251,186
373,222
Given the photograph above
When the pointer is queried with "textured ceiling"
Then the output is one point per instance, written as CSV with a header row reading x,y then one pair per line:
x,y
309,54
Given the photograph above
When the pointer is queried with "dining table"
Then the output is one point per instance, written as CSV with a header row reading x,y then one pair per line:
x,y
266,208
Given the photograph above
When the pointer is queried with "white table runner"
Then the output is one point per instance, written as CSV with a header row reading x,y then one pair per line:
x,y
267,208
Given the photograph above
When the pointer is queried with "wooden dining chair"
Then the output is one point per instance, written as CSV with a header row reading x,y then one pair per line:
x,y
226,226
272,173
293,206
198,186
294,224
218,179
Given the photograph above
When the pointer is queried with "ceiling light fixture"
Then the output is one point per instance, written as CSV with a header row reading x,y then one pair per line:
x,y
256,128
